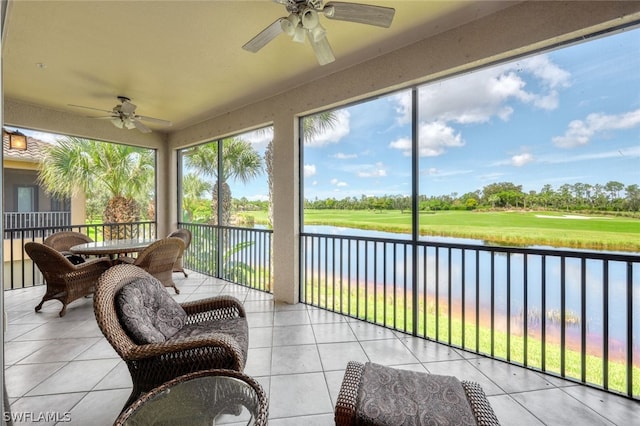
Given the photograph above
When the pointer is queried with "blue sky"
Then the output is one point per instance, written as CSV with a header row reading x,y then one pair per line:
x,y
565,116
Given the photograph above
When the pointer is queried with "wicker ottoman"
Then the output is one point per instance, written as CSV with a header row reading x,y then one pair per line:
x,y
373,394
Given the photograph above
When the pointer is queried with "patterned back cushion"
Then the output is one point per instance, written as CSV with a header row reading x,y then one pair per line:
x,y
147,313
390,397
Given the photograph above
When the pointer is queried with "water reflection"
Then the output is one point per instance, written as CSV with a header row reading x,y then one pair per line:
x,y
521,290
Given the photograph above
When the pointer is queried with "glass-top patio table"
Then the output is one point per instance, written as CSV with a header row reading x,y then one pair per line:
x,y
201,398
112,248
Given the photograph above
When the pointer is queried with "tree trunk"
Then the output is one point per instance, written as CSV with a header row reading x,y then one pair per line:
x,y
121,210
225,198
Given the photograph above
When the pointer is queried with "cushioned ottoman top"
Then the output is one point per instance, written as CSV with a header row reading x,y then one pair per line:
x,y
394,397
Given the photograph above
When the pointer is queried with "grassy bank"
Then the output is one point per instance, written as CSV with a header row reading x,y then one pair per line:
x,y
522,228
451,330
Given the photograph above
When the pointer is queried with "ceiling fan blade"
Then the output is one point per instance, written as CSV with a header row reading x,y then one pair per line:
x,y
86,107
361,13
127,107
153,120
140,126
264,37
322,49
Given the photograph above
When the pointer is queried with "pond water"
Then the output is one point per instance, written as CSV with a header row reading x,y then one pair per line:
x,y
508,277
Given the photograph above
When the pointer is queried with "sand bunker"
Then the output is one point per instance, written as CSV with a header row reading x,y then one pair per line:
x,y
566,216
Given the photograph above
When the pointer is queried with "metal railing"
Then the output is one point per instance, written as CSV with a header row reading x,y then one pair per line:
x,y
574,314
21,272
239,255
34,220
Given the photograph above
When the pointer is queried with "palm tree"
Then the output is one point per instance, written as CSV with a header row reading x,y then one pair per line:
x,y
312,126
193,189
124,172
240,161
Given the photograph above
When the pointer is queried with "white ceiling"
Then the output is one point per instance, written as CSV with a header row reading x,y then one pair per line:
x,y
183,60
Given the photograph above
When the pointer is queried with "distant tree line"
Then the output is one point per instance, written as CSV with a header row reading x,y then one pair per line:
x,y
610,197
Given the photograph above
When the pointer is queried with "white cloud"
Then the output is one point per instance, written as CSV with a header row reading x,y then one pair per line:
x,y
343,156
403,144
479,96
41,136
549,73
580,132
377,169
432,171
259,138
373,170
338,183
520,160
434,138
491,177
339,130
633,152
309,170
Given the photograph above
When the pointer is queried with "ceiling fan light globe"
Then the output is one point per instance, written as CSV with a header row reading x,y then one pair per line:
x,y
310,19
289,24
329,11
116,121
298,35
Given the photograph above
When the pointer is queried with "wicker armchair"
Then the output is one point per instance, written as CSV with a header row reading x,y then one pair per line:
x,y
373,394
184,235
63,241
212,335
158,259
65,281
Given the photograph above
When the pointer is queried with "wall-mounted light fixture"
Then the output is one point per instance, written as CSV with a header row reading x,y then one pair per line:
x,y
16,140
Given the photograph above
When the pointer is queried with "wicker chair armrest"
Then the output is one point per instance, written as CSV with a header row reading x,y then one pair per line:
x,y
104,261
480,406
87,271
345,411
225,341
218,307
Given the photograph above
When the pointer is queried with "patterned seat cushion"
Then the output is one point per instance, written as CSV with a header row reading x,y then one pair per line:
x,y
234,327
147,312
394,397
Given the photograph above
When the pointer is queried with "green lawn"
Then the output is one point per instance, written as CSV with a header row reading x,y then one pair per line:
x,y
437,327
499,227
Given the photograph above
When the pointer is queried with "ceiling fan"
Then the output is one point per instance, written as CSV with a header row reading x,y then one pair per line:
x,y
124,116
304,20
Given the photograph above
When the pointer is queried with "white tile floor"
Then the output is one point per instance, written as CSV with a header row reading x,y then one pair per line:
x,y
298,354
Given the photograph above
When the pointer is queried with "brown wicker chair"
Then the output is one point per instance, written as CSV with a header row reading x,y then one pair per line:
x,y
158,259
184,235
373,395
65,281
63,241
222,340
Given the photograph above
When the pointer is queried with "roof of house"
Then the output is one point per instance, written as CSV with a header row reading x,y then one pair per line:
x,y
33,153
